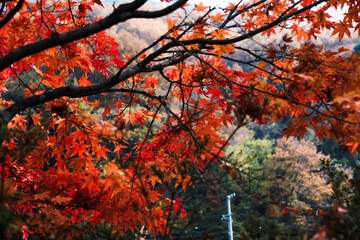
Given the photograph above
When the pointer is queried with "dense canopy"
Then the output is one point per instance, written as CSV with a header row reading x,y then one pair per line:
x,y
70,101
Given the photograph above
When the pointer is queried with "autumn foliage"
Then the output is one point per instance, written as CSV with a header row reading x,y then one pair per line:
x,y
66,152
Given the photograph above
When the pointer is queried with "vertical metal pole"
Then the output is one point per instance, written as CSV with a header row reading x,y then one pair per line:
x,y
228,197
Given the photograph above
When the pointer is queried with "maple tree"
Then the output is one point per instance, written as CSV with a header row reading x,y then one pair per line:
x,y
63,166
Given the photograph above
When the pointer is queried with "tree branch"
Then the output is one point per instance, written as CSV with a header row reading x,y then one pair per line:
x,y
11,14
251,33
122,13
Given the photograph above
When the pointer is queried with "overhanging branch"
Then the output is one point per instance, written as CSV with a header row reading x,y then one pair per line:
x,y
122,13
11,14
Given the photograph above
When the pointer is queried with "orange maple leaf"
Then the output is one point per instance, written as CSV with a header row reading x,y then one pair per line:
x,y
341,29
101,151
84,81
95,104
200,7
217,18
